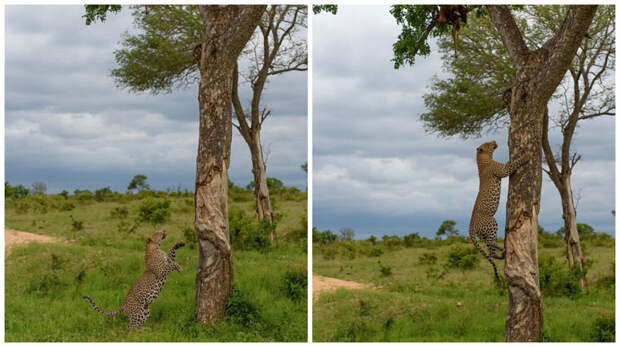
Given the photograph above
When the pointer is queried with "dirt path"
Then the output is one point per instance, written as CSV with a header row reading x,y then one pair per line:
x,y
12,238
321,284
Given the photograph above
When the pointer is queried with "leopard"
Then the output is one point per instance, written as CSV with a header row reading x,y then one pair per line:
x,y
483,225
149,285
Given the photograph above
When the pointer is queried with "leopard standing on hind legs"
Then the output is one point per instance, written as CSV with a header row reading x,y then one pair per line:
x,y
483,225
148,286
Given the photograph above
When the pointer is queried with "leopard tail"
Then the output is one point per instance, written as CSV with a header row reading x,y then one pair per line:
x,y
486,255
118,310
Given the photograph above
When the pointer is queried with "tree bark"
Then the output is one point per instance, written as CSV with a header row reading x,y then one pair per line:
x,y
227,30
537,75
573,246
261,190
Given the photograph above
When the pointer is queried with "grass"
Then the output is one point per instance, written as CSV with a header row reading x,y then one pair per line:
x,y
45,282
424,301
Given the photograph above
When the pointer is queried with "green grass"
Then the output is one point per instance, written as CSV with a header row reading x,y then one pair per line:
x,y
45,282
412,304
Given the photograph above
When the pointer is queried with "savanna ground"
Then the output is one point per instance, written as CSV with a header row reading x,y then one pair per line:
x,y
420,289
104,255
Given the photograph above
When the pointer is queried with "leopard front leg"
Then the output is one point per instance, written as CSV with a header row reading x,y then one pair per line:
x,y
173,251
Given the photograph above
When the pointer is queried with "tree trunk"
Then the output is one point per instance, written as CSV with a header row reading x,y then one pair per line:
x,y
227,30
525,319
573,246
537,75
261,190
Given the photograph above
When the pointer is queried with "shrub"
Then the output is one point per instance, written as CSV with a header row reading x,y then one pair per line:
x,y
604,329
324,237
67,206
556,279
462,257
190,237
246,233
101,194
375,252
240,310
296,284
385,270
154,211
126,227
373,239
22,206
18,191
410,240
119,212
392,242
427,259
83,195
77,224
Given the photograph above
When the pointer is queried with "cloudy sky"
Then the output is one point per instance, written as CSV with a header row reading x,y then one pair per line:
x,y
68,126
377,171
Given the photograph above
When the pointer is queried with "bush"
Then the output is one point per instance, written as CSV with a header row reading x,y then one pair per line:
x,y
191,238
67,206
296,284
126,227
77,224
324,237
385,270
18,191
392,242
462,257
375,252
154,211
101,194
119,212
556,279
240,310
604,329
246,233
427,259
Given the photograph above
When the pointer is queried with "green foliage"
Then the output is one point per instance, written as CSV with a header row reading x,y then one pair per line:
x,y
333,9
385,270
190,236
240,310
392,242
412,41
462,257
447,227
410,239
138,182
604,329
158,58
67,206
296,284
154,211
77,224
246,233
373,239
102,194
18,191
127,227
99,12
119,212
428,259
556,279
375,252
324,237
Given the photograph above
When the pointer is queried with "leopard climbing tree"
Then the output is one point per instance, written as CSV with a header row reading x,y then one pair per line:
x,y
537,71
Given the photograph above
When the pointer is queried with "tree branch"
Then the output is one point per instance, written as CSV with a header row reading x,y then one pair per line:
x,y
509,32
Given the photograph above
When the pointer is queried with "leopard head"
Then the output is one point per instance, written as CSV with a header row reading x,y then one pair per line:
x,y
485,151
156,238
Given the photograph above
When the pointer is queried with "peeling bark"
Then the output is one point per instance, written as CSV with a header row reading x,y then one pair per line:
x,y
227,30
537,75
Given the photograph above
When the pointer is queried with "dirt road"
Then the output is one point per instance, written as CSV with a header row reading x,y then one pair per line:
x,y
322,284
12,238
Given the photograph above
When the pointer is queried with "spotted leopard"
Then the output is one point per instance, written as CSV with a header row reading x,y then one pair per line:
x,y
148,286
483,225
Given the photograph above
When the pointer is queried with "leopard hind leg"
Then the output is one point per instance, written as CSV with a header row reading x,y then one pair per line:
x,y
489,237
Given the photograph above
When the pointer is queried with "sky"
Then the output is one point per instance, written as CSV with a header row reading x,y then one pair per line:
x,y
67,125
377,171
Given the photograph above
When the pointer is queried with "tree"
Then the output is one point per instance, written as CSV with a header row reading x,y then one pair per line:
x,y
471,99
39,188
447,227
224,33
138,182
347,233
537,73
17,191
275,51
